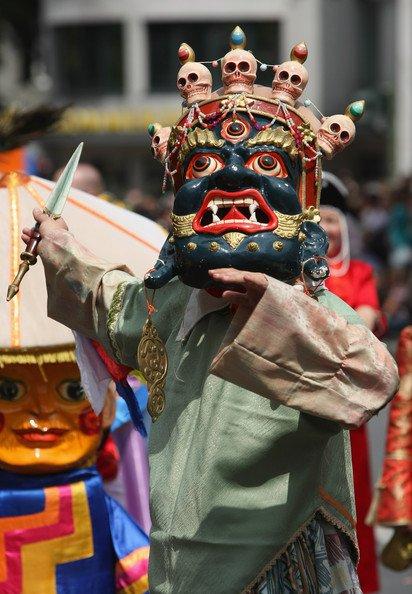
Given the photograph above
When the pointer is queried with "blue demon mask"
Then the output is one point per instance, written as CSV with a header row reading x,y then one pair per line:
x,y
245,163
238,204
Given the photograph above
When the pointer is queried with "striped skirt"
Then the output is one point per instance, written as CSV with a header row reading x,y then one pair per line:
x,y
317,562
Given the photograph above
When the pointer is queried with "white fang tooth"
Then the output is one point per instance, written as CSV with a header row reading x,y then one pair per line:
x,y
216,218
253,217
213,207
252,207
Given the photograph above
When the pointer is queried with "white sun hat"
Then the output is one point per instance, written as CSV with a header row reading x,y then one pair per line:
x,y
113,233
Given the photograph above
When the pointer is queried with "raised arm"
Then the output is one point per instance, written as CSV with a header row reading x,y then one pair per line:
x,y
80,285
99,299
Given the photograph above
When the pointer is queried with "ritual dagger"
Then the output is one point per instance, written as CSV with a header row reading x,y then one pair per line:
x,y
53,207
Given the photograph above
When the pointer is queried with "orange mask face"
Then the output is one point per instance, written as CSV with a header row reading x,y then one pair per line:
x,y
45,426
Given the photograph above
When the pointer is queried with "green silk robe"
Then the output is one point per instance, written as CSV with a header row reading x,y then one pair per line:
x,y
252,442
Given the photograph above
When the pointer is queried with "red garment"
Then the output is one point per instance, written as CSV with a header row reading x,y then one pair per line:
x,y
108,458
357,287
118,371
394,506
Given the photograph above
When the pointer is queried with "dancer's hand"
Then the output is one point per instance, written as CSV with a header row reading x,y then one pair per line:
x,y
246,288
47,225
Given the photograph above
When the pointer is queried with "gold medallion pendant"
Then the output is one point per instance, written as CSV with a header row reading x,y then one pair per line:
x,y
152,361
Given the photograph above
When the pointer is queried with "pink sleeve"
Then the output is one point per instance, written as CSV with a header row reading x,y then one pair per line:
x,y
293,350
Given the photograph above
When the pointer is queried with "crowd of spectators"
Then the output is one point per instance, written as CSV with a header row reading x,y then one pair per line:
x,y
382,236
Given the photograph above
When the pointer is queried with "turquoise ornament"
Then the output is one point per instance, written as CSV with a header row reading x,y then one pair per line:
x,y
355,110
237,38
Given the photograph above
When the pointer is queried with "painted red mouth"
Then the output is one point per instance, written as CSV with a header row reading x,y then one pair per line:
x,y
245,211
40,436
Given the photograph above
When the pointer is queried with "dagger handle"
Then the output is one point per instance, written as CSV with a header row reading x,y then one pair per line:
x,y
28,258
30,253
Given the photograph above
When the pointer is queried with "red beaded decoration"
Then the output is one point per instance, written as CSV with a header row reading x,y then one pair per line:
x,y
183,54
299,52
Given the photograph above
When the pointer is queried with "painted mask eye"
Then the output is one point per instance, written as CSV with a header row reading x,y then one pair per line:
x,y
267,164
11,390
202,165
72,391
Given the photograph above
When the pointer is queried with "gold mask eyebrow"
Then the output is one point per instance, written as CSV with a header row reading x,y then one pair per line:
x,y
199,137
278,137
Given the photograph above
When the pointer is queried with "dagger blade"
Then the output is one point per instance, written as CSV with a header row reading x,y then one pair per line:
x,y
53,207
57,199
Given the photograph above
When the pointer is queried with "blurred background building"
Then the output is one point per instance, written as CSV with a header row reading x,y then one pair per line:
x,y
116,63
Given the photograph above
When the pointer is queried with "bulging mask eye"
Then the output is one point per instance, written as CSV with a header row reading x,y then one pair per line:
x,y
72,391
203,164
267,164
11,390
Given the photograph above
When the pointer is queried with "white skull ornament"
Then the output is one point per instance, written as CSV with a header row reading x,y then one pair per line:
x,y
160,139
291,77
289,82
239,68
335,134
194,82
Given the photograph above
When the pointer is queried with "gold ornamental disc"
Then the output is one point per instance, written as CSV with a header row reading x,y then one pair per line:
x,y
152,361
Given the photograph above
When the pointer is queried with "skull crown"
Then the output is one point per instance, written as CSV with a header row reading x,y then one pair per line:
x,y
160,138
239,69
291,77
194,80
338,131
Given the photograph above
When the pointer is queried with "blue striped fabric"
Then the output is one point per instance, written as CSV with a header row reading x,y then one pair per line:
x,y
317,562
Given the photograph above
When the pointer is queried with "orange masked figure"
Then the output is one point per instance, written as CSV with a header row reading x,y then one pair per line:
x,y
53,509
46,422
